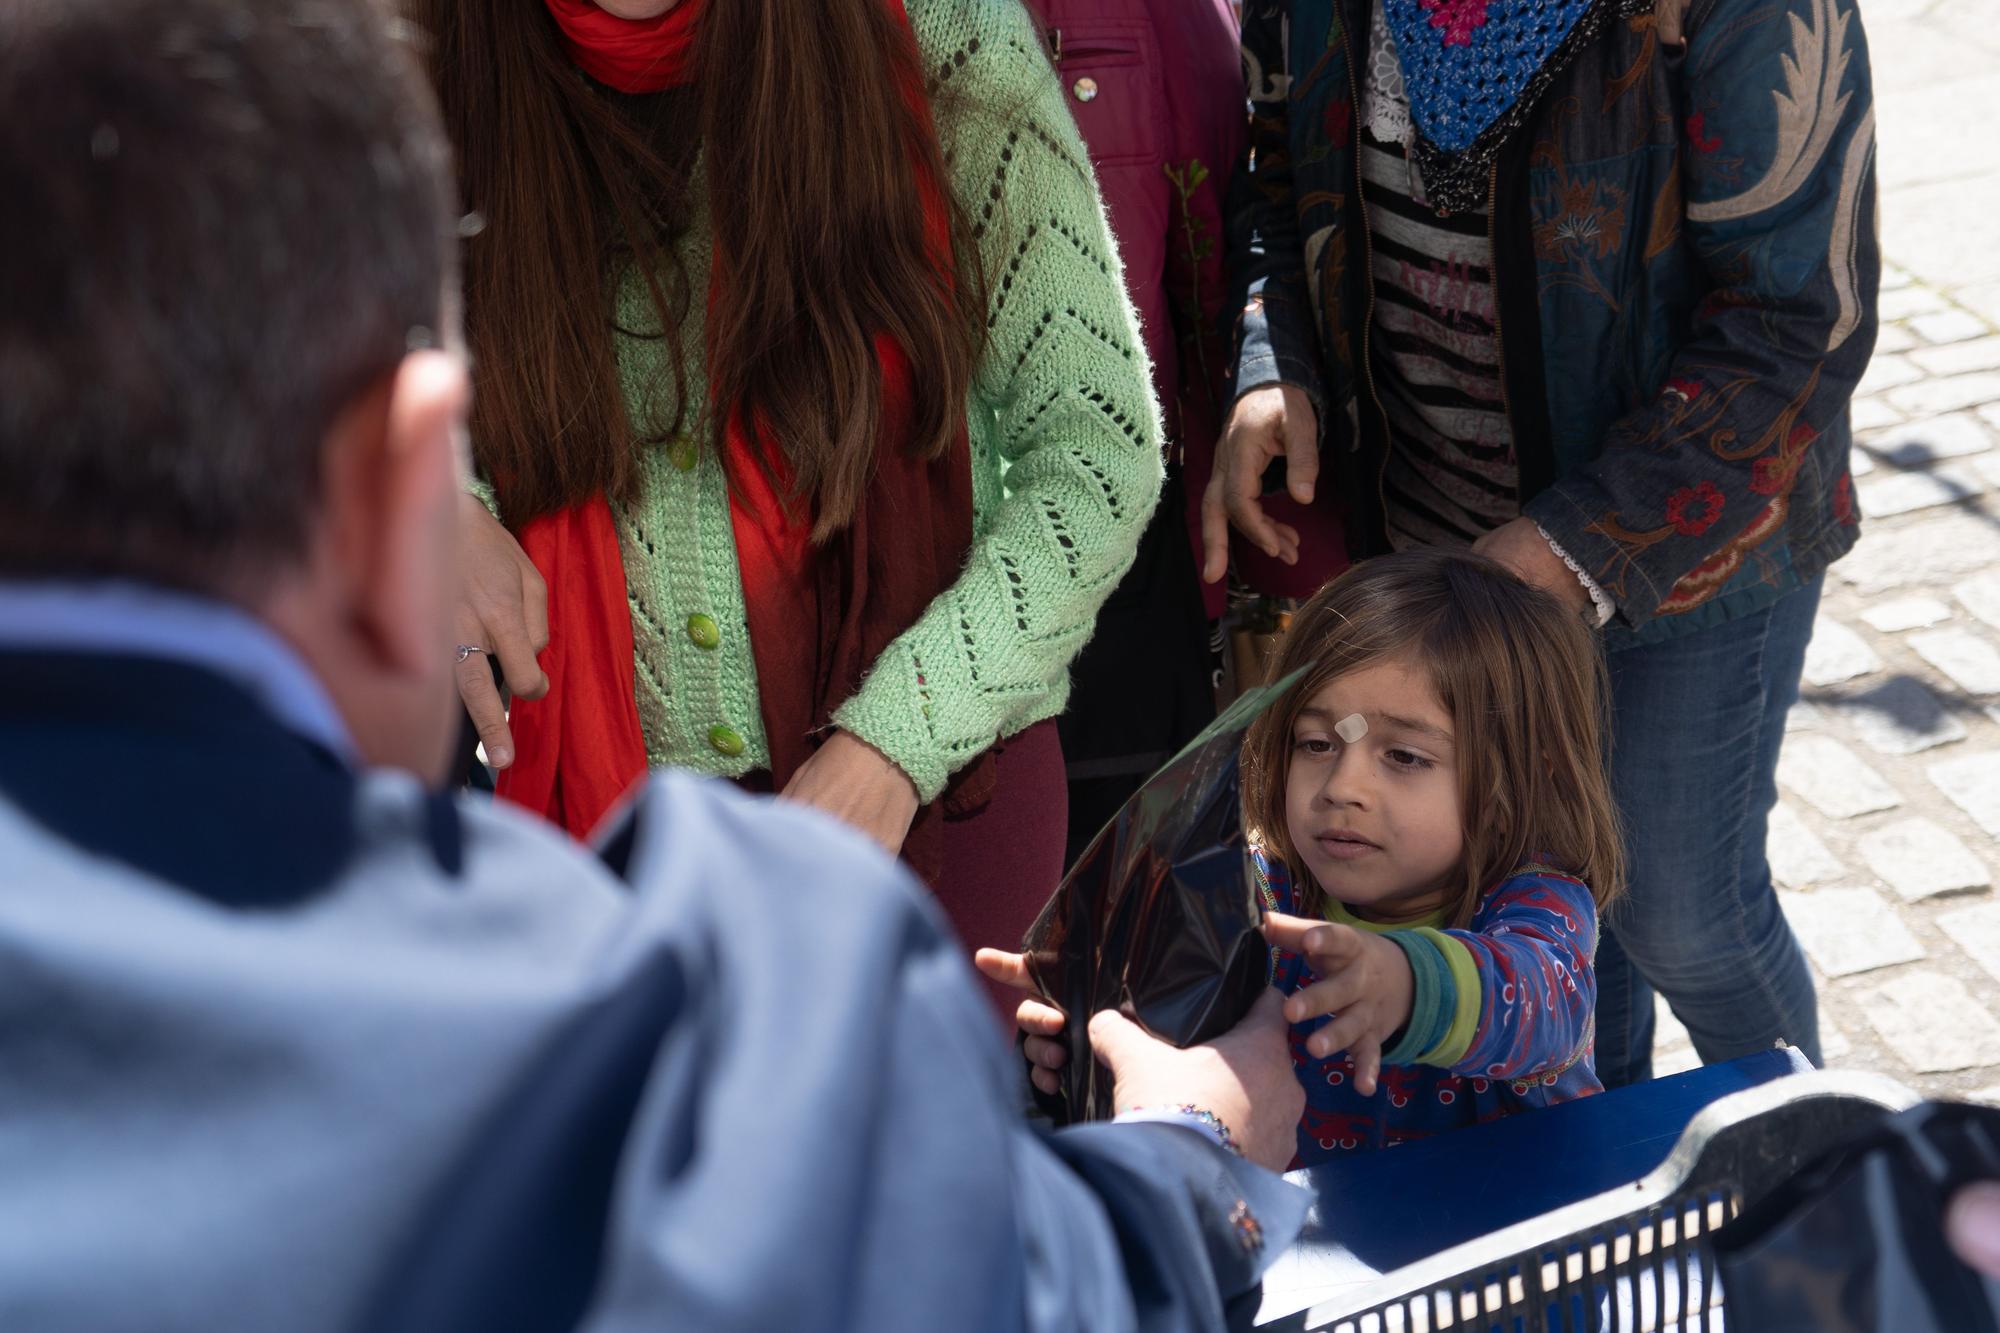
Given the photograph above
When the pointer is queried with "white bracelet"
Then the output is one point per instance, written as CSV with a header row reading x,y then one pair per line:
x,y
1598,598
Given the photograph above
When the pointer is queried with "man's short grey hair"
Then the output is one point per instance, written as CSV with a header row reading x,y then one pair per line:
x,y
221,221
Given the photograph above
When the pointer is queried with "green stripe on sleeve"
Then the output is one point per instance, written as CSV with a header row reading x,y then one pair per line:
x,y
1466,993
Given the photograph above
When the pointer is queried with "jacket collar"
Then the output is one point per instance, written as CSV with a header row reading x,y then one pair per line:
x,y
112,616
182,774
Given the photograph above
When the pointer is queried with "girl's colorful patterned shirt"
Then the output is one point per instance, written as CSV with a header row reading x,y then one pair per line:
x,y
1516,995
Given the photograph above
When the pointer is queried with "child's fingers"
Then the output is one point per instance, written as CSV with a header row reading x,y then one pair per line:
x,y
1344,1033
1367,1053
1327,945
1039,1019
1293,934
1322,997
1009,969
1044,1053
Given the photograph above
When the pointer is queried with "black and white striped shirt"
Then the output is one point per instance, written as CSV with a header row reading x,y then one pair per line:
x,y
1451,474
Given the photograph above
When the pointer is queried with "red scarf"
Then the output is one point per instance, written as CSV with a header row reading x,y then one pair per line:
x,y
818,616
631,55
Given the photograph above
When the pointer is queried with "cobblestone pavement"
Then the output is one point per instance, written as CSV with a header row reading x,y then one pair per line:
x,y
1887,832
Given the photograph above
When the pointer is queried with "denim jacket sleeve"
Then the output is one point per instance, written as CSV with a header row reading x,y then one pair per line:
x,y
1276,341
1777,167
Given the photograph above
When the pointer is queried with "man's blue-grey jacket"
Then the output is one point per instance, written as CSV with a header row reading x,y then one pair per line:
x,y
290,1046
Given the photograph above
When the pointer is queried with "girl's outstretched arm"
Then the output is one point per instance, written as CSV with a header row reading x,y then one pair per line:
x,y
1524,989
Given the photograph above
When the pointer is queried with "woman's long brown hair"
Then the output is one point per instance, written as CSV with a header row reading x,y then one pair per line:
x,y
814,157
1523,681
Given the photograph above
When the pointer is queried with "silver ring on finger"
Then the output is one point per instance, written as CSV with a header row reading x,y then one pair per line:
x,y
466,650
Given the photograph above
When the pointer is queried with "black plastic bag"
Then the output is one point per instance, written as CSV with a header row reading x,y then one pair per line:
x,y
1854,1243
1159,917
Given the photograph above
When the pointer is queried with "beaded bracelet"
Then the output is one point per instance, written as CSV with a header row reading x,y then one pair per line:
x,y
1206,1117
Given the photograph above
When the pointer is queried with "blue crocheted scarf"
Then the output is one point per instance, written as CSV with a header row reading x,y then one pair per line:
x,y
1473,70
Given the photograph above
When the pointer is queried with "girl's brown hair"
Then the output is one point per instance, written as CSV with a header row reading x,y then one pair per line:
x,y
814,160
1523,681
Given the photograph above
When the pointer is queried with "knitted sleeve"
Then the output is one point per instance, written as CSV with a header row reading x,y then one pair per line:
x,y
1063,397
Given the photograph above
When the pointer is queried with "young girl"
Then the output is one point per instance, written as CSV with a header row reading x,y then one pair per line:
x,y
1433,834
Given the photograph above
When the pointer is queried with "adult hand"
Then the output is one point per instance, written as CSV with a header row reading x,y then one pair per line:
x,y
1972,1226
1364,982
1520,546
1244,1077
1270,421
1041,1023
853,781
504,609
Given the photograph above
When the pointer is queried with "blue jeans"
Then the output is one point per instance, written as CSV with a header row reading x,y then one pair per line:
x,y
1696,726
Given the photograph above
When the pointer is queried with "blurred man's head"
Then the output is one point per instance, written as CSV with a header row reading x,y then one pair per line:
x,y
226,242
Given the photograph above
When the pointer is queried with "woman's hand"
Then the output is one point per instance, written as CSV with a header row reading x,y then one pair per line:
x,y
1364,982
503,608
1270,421
1520,546
1041,1023
855,782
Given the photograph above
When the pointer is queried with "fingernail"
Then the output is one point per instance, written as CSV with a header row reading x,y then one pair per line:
x,y
500,757
1972,1221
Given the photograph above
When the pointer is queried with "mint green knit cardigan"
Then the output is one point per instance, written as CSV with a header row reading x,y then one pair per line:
x,y
1065,445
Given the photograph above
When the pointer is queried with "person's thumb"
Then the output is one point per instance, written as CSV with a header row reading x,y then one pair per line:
x,y
1115,1038
1301,449
1268,1012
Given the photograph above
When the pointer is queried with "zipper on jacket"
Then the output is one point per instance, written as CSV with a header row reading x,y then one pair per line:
x,y
1368,281
1499,346
1126,53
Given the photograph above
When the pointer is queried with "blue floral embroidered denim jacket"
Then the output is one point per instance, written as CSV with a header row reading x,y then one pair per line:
x,y
1686,264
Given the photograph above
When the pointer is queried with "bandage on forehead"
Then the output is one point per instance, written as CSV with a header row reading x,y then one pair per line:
x,y
1351,728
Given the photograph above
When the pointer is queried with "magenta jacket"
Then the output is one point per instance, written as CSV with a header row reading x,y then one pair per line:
x,y
1157,91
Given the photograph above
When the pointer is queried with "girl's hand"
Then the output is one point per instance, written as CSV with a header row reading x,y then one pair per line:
x,y
855,782
1364,982
1041,1023
503,608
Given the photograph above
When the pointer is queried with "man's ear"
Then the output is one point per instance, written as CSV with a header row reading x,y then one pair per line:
x,y
398,472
